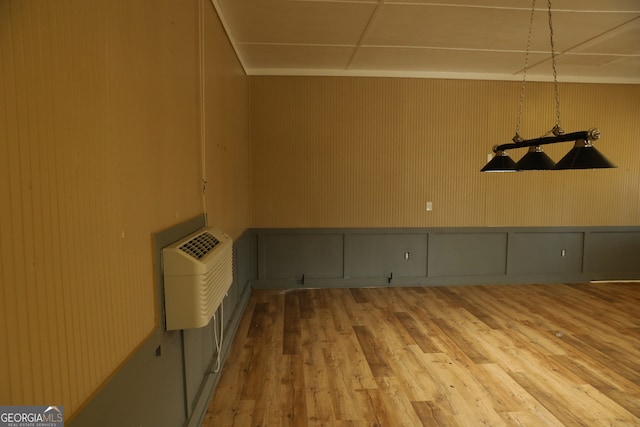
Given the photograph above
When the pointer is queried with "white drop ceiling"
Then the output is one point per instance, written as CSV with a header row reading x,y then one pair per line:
x,y
595,40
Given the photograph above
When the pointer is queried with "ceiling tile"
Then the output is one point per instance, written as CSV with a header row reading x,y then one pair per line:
x,y
484,28
442,26
584,60
296,22
623,40
441,60
576,67
595,40
336,1
591,5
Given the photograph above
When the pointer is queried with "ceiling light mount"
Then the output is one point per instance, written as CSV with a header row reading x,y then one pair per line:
x,y
582,156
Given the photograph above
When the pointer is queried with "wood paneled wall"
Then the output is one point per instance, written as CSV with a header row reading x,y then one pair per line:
x,y
370,152
100,129
226,109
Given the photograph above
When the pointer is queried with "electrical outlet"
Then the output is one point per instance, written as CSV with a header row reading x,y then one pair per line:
x,y
429,206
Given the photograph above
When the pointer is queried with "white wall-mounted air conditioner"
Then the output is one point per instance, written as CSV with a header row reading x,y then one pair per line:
x,y
198,271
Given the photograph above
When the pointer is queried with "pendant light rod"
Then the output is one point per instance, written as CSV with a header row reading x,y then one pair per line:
x,y
591,135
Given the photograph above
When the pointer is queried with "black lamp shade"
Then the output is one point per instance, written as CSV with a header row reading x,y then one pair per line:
x,y
535,159
501,162
584,155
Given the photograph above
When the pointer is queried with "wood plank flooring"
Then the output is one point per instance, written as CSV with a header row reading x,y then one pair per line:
x,y
520,355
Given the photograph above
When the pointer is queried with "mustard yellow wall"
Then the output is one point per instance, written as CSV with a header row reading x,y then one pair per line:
x,y
100,130
226,109
101,122
370,152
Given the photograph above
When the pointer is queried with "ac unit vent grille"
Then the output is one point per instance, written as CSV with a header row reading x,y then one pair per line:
x,y
200,245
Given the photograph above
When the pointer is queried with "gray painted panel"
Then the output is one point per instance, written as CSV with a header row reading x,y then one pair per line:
x,y
246,261
379,255
467,254
229,302
147,391
289,256
464,255
199,349
545,253
614,252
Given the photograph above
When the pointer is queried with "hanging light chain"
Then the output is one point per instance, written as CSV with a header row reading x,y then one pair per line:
x,y
557,129
517,136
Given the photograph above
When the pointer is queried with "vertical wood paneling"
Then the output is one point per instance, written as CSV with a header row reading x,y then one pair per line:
x,y
522,198
99,148
592,197
369,152
7,360
226,130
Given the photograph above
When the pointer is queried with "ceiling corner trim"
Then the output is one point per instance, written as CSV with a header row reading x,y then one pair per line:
x,y
227,30
307,72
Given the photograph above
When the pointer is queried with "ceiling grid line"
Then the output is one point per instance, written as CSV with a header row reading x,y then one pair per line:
x,y
364,34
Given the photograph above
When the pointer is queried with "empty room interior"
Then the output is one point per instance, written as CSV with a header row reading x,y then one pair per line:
x,y
320,212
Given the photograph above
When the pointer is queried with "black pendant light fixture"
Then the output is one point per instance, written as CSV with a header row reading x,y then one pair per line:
x,y
501,162
535,159
582,156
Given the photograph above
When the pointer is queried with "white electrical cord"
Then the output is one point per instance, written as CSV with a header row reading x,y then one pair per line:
x,y
203,160
215,336
203,140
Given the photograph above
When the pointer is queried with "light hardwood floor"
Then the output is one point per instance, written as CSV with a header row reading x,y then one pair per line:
x,y
519,355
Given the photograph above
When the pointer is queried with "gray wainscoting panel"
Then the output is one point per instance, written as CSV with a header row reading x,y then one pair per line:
x,y
467,254
198,350
290,256
614,254
230,301
545,253
147,391
246,261
357,257
382,255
